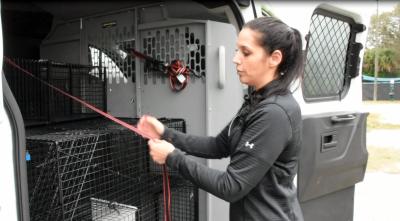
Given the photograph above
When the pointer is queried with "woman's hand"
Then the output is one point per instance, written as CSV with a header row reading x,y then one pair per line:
x,y
159,150
151,126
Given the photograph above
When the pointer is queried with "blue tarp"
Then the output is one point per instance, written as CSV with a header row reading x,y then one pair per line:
x,y
383,80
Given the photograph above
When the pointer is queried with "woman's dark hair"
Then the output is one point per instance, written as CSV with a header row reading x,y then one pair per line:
x,y
276,35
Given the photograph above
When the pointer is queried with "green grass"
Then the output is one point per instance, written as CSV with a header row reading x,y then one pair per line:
x,y
383,160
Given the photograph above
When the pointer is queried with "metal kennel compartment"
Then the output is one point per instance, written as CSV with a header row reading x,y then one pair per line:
x,y
207,104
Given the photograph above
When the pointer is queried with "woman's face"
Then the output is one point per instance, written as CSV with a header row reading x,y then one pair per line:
x,y
252,61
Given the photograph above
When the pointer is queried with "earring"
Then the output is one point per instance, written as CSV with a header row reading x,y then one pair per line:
x,y
282,73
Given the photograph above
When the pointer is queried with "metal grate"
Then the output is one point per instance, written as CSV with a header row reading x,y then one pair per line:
x,y
100,174
175,42
324,73
181,210
40,104
177,124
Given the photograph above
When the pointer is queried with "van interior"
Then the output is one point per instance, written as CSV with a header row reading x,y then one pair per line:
x,y
117,56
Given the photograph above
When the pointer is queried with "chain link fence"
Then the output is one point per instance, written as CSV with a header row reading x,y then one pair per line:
x,y
385,90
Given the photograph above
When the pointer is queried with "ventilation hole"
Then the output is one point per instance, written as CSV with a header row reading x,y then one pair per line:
x,y
203,50
176,36
158,48
197,57
172,51
172,39
148,48
153,42
197,68
153,53
187,32
158,35
167,59
192,64
162,41
197,41
191,38
167,47
167,34
203,64
162,53
192,54
144,41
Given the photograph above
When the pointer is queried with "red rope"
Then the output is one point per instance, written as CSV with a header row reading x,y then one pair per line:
x,y
178,73
166,194
166,183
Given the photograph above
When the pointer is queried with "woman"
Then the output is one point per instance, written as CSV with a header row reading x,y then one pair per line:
x,y
264,138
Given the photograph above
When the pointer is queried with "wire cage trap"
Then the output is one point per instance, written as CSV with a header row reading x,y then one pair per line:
x,y
100,174
40,104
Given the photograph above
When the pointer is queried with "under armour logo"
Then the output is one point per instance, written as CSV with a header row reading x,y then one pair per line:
x,y
249,145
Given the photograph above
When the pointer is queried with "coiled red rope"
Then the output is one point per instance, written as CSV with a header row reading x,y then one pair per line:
x,y
178,75
166,183
177,72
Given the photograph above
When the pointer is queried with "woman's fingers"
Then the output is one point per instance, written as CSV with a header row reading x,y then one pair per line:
x,y
159,150
149,125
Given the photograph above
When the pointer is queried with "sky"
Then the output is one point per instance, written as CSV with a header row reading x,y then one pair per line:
x,y
369,7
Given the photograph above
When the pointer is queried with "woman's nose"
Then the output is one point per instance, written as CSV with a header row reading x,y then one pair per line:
x,y
236,59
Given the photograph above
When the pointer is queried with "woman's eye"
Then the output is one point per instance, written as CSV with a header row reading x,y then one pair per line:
x,y
246,53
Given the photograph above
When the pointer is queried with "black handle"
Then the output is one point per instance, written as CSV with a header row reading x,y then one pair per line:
x,y
343,118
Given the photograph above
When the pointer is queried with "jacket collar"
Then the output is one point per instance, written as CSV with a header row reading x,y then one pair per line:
x,y
260,94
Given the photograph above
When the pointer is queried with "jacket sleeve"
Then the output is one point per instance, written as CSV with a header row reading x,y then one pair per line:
x,y
200,146
267,133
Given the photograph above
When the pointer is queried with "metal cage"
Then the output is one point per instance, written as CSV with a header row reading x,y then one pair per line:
x,y
84,173
40,104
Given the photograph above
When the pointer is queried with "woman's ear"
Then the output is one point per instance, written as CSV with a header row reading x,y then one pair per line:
x,y
275,58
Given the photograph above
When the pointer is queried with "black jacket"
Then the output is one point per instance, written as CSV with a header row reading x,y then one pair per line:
x,y
263,142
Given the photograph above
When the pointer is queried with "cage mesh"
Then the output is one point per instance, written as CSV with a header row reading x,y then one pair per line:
x,y
40,104
100,174
326,57
183,42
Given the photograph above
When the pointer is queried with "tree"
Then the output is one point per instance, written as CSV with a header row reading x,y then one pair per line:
x,y
384,38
